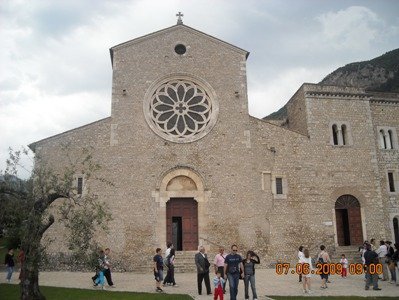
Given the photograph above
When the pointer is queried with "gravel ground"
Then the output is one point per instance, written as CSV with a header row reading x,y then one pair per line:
x,y
267,283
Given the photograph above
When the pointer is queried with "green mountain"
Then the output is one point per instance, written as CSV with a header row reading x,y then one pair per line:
x,y
379,74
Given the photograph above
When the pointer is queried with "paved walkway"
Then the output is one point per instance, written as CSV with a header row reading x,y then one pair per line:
x,y
267,283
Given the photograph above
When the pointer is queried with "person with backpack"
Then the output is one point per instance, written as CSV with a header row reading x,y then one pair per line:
x,y
323,258
233,268
170,265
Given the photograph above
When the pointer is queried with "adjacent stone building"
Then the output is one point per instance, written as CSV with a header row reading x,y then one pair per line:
x,y
191,166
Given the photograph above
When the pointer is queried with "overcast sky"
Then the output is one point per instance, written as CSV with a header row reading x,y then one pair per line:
x,y
56,71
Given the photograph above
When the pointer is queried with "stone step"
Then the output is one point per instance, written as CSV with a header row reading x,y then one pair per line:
x,y
351,253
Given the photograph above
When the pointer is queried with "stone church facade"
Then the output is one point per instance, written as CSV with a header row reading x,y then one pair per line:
x,y
190,165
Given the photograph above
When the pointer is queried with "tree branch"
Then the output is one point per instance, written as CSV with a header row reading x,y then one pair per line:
x,y
6,190
44,227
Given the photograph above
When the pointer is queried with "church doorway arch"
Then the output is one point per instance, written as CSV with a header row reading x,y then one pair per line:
x,y
348,221
182,202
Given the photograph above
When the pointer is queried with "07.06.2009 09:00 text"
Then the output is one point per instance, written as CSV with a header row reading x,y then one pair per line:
x,y
327,268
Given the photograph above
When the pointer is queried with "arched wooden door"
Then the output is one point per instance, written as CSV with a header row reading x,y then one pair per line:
x,y
348,221
182,223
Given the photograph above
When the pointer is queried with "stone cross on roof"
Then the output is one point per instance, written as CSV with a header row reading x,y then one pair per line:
x,y
179,19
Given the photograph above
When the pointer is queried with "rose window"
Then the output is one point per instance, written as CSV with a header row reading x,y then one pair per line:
x,y
180,110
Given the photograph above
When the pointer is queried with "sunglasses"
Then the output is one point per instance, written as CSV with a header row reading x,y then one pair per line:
x,y
235,250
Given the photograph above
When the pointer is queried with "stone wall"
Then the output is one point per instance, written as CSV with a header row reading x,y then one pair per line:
x,y
233,169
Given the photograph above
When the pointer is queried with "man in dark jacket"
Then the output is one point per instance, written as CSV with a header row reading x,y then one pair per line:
x,y
202,263
371,261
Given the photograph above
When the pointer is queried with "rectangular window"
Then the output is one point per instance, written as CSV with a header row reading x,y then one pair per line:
x,y
279,185
391,182
80,185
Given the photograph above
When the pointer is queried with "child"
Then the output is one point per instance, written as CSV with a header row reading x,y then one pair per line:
x,y
219,283
100,267
344,263
158,269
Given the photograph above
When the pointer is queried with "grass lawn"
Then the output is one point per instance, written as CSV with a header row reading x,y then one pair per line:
x,y
11,292
330,298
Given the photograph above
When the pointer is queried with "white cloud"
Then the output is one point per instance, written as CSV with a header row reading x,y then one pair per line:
x,y
56,70
354,28
268,96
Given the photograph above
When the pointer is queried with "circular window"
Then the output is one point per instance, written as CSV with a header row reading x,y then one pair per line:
x,y
180,49
180,110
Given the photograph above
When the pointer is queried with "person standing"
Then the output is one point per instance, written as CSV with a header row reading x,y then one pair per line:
x,y
372,244
395,260
233,268
306,259
300,256
170,264
100,266
323,258
382,253
218,283
9,262
202,263
390,262
371,258
21,260
344,264
158,269
107,267
249,273
218,264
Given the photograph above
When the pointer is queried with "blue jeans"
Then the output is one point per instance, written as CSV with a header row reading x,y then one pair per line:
x,y
234,279
100,279
371,279
247,280
10,270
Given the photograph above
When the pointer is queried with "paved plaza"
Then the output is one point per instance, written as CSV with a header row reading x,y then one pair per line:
x,y
268,283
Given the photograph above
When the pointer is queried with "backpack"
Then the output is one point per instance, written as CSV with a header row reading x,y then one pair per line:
x,y
166,261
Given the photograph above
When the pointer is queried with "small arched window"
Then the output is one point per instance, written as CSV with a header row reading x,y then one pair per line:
x,y
389,139
344,133
382,139
335,134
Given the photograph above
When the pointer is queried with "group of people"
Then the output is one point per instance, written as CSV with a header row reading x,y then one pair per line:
x,y
103,270
322,258
168,263
9,262
231,267
384,254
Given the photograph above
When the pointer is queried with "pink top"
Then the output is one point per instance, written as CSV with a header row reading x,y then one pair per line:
x,y
219,260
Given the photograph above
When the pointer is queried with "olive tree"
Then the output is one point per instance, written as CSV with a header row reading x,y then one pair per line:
x,y
29,214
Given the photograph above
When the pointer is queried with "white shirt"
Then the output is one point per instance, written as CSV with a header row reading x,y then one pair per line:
x,y
344,263
300,255
382,251
308,260
167,252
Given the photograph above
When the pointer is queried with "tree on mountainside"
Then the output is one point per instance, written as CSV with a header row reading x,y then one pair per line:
x,y
27,212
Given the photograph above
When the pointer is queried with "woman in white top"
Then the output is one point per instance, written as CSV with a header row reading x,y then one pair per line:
x,y
300,255
306,259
